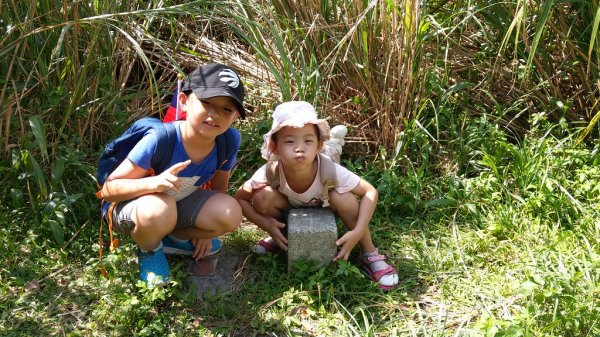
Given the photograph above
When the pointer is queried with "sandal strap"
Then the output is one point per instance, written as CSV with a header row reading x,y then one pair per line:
x,y
269,247
374,258
377,275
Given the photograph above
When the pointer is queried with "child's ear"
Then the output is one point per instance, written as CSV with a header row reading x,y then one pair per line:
x,y
182,99
272,146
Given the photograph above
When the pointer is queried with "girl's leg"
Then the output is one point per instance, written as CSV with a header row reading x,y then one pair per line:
x,y
270,202
346,206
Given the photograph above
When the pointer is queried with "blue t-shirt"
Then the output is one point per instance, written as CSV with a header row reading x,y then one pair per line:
x,y
196,174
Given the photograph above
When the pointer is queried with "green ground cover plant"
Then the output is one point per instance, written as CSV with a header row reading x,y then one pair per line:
x,y
488,167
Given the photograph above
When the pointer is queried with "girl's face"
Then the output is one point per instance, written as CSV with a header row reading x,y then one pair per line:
x,y
297,146
209,116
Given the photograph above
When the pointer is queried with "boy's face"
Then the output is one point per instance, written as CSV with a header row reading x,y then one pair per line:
x,y
297,146
211,116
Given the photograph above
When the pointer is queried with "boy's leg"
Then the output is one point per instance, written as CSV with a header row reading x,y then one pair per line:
x,y
154,216
148,219
207,214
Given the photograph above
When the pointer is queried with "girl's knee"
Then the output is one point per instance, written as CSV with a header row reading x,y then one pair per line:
x,y
267,201
343,202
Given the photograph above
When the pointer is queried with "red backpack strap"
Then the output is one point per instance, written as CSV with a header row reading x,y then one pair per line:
x,y
113,242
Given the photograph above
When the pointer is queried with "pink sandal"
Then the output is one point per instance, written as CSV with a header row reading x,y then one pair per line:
x,y
268,247
377,275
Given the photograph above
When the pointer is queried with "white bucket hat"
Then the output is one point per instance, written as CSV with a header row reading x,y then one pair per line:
x,y
295,114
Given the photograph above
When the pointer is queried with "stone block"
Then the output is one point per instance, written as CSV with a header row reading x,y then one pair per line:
x,y
312,233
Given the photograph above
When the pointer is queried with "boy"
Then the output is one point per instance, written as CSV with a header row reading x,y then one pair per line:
x,y
169,212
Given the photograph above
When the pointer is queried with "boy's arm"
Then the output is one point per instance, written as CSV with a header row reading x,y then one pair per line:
x,y
220,181
129,181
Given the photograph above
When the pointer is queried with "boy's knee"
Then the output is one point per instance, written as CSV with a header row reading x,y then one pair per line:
x,y
232,217
157,212
226,212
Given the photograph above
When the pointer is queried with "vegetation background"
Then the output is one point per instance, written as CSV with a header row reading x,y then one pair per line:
x,y
476,120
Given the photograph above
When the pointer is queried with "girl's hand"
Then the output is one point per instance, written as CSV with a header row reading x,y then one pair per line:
x,y
346,243
168,180
202,248
274,228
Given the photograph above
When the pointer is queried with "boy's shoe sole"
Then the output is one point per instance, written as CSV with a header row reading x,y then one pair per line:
x,y
173,247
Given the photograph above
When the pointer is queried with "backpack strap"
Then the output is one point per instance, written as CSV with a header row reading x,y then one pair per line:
x,y
328,178
272,173
224,143
326,172
166,134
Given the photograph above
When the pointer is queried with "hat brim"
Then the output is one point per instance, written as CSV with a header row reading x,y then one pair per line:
x,y
297,123
216,92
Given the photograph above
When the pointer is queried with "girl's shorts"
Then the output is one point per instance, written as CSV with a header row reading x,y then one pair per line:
x,y
187,211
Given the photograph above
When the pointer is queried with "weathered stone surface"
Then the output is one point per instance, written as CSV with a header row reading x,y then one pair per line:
x,y
215,275
312,233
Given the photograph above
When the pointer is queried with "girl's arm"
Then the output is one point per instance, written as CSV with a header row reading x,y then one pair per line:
x,y
368,202
366,208
271,225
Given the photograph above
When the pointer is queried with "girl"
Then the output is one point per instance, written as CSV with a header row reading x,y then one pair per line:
x,y
294,142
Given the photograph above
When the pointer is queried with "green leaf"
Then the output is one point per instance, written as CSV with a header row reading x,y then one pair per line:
x,y
593,37
547,6
441,202
528,287
58,167
33,168
40,135
57,231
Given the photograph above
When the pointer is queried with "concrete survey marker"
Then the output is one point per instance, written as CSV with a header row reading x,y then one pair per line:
x,y
215,274
312,233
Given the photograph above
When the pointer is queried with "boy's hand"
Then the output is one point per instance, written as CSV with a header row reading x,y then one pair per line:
x,y
168,180
274,228
201,248
346,243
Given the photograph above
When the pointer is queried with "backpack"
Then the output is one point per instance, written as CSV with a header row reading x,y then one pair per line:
x,y
117,150
326,172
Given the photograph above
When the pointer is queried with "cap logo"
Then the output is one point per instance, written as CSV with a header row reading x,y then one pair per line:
x,y
230,77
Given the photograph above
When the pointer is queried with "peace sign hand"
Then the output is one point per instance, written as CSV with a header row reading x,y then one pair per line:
x,y
168,180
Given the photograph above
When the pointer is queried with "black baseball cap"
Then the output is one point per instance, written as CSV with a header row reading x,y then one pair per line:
x,y
215,79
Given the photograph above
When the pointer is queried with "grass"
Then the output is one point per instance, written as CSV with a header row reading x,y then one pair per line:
x,y
489,188
522,260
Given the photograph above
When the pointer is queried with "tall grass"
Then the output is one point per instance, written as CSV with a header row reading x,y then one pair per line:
x,y
525,57
86,67
360,61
